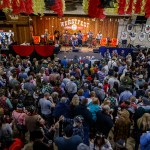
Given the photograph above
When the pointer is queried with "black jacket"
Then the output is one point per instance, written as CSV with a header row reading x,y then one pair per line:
x,y
85,113
104,123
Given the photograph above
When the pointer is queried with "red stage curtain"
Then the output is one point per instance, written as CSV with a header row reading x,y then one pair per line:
x,y
23,50
44,50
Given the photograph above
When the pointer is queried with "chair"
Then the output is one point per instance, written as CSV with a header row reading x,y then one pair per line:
x,y
103,42
114,42
36,39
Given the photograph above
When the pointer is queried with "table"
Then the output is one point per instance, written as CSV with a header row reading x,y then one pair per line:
x,y
41,50
103,49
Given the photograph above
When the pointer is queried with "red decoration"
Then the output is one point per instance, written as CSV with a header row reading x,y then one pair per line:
x,y
147,9
29,5
57,7
15,7
23,50
122,5
95,10
129,10
6,4
45,50
138,6
22,6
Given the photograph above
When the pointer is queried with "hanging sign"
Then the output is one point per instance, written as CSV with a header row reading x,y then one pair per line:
x,y
141,36
147,28
74,24
129,28
124,35
132,36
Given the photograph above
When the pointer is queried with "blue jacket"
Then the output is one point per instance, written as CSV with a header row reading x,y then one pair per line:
x,y
145,141
94,109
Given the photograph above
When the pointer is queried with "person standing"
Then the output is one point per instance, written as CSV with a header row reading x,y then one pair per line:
x,y
79,36
45,104
98,38
90,38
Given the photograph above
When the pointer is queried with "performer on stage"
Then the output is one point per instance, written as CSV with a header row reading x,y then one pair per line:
x,y
46,36
99,37
66,36
79,36
74,40
57,36
90,38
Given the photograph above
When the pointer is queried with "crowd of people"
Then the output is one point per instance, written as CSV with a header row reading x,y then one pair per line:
x,y
78,104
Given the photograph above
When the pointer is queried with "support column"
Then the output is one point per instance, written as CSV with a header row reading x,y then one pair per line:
x,y
15,32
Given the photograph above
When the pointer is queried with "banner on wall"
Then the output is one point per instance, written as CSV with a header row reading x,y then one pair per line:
x,y
129,28
147,28
132,36
124,36
142,36
148,37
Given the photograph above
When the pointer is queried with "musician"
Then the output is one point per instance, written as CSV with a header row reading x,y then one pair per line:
x,y
46,36
79,36
99,37
57,36
90,38
66,36
74,40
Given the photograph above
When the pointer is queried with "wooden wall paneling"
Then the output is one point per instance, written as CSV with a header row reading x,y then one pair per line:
x,y
107,27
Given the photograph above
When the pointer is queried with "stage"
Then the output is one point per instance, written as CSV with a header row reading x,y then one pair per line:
x,y
41,51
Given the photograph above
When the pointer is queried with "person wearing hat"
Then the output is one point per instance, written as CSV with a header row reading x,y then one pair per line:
x,y
18,116
82,146
77,124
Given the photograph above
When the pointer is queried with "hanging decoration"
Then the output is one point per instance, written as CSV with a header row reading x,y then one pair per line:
x,y
58,7
6,6
29,5
22,6
124,35
85,6
132,36
143,7
138,6
121,8
147,8
142,36
38,7
95,9
129,28
147,28
15,7
130,6
64,5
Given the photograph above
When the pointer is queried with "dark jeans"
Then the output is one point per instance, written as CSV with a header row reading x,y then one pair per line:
x,y
86,135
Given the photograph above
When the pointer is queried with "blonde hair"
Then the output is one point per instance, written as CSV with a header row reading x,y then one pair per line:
x,y
92,94
144,122
106,102
95,101
75,100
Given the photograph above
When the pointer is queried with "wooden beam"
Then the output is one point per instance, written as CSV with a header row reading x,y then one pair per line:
x,y
14,22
